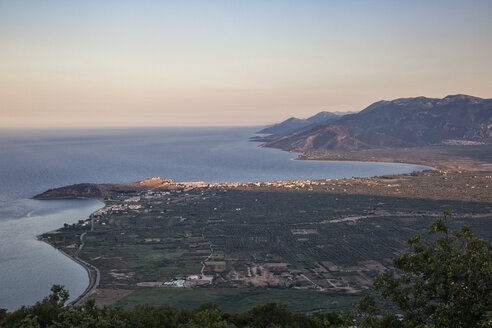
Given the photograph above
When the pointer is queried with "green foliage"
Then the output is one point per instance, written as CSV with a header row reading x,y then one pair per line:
x,y
367,314
41,314
29,322
3,316
445,281
239,300
208,315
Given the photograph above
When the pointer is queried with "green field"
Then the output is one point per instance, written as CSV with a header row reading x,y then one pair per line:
x,y
240,299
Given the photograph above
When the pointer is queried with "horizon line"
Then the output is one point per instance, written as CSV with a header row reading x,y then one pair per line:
x,y
88,127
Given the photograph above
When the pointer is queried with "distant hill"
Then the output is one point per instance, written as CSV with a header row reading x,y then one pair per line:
x,y
325,137
293,124
457,119
100,191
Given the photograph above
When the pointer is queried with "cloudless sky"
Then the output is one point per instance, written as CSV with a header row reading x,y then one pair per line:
x,y
152,63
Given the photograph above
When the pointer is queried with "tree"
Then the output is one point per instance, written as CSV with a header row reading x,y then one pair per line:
x,y
444,281
42,313
3,316
29,322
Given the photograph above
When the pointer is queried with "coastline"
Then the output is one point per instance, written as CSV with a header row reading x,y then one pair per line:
x,y
93,272
398,205
302,157
439,157
29,269
432,164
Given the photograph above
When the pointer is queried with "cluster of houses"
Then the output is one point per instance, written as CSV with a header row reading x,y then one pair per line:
x,y
283,184
181,282
116,208
155,194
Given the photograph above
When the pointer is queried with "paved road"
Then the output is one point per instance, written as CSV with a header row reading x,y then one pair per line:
x,y
93,281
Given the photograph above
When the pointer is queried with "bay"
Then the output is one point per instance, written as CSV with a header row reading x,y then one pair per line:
x,y
32,161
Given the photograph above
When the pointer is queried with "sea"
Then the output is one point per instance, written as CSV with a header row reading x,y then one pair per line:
x,y
32,161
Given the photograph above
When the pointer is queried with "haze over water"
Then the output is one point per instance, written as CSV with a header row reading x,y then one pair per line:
x,y
34,161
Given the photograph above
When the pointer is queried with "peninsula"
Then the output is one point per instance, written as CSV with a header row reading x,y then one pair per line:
x,y
164,242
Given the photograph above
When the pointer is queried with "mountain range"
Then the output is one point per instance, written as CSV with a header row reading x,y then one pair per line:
x,y
292,124
403,122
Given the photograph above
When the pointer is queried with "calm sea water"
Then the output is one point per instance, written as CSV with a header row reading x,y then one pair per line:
x,y
34,161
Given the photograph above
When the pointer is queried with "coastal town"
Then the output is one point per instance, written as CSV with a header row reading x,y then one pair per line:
x,y
158,234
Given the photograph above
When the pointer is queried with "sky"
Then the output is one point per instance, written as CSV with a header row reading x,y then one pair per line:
x,y
110,63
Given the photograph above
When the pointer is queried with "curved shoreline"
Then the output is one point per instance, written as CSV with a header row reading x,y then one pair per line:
x,y
92,271
308,159
93,283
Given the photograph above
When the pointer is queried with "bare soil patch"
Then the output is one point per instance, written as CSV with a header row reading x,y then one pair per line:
x,y
107,296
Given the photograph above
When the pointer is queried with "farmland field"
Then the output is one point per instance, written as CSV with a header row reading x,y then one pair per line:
x,y
240,299
315,242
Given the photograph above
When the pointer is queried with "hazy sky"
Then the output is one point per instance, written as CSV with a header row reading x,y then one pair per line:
x,y
138,63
